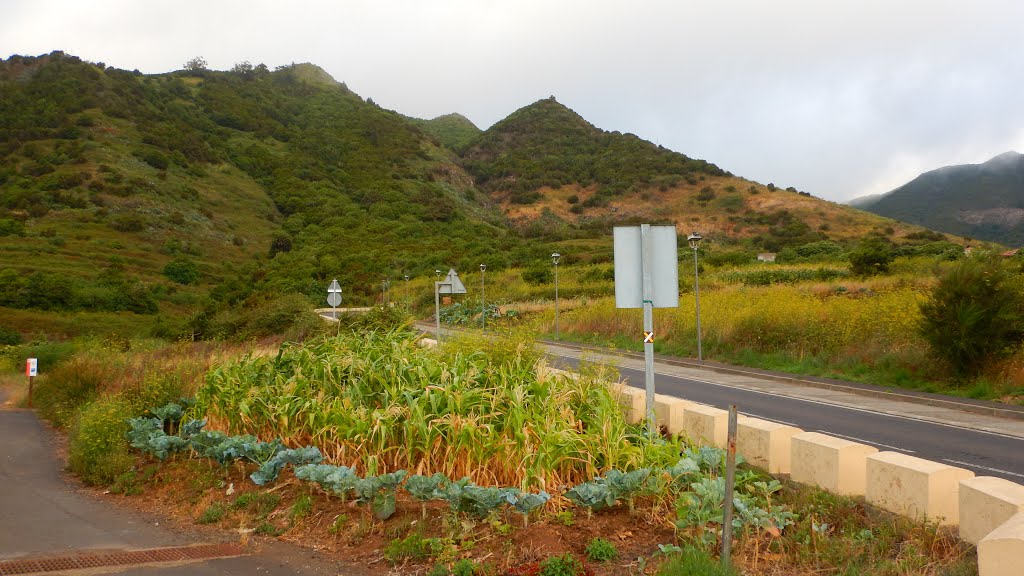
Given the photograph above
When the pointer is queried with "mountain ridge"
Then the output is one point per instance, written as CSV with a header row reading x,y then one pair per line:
x,y
983,201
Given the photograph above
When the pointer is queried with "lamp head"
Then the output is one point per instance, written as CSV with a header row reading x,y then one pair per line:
x,y
694,239
483,267
554,258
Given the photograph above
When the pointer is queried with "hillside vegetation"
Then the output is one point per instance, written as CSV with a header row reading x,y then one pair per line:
x,y
198,195
558,176
242,182
453,131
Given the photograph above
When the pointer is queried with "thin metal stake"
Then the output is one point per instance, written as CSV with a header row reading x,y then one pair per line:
x,y
730,481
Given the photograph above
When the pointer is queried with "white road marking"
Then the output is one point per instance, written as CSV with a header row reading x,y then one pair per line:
x,y
855,439
979,467
834,405
776,420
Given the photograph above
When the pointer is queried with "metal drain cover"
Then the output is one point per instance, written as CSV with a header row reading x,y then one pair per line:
x,y
85,559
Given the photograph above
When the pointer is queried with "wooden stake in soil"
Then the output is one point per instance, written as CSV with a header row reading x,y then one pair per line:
x,y
730,480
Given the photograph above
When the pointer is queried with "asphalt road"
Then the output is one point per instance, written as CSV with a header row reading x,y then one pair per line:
x,y
984,453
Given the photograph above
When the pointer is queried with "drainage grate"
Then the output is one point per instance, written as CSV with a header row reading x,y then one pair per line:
x,y
125,558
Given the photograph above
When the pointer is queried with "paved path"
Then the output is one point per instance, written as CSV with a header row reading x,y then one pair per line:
x,y
43,515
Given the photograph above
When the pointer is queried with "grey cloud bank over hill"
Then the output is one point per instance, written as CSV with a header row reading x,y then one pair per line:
x,y
840,99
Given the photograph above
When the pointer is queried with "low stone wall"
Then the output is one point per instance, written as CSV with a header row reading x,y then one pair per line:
x,y
765,444
985,504
706,424
914,487
1001,552
669,412
832,464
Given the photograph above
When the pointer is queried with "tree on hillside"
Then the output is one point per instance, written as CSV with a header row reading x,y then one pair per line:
x,y
975,315
196,64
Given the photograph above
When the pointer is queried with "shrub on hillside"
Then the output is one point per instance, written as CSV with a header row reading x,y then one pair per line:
x,y
9,337
871,257
538,275
182,271
975,314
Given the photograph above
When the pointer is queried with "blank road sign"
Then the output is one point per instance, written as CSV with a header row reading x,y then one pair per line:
x,y
629,267
334,294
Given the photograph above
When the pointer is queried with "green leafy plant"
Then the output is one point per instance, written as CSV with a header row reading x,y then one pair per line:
x,y
564,565
301,508
601,550
379,492
413,547
212,514
691,561
464,567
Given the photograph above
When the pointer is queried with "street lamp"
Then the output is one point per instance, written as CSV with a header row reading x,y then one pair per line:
x,y
483,308
384,292
408,303
554,260
694,240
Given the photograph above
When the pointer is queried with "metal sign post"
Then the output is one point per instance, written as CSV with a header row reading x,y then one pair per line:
x,y
450,285
31,370
334,297
647,276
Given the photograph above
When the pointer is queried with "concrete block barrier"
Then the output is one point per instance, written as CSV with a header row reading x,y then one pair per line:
x,y
669,410
1001,553
985,504
830,463
915,487
766,444
706,425
633,401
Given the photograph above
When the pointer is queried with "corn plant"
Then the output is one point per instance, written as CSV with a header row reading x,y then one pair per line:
x,y
500,419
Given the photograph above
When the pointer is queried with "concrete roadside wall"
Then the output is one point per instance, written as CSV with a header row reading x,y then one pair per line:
x,y
669,412
1001,552
989,512
765,444
985,504
832,464
706,424
914,487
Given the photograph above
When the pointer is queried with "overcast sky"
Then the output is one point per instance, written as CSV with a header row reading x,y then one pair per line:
x,y
840,98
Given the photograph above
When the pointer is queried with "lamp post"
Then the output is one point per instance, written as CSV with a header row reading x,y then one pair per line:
x,y
408,303
483,307
554,260
694,240
384,292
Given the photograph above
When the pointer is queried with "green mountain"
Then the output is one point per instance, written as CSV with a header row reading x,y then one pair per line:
x,y
983,201
558,176
547,144
453,131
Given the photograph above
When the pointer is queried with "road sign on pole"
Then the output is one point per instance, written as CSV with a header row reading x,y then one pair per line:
x,y
646,276
334,296
31,370
450,285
